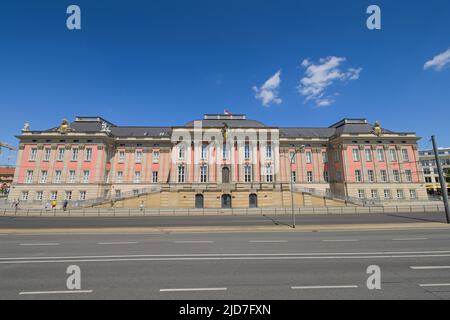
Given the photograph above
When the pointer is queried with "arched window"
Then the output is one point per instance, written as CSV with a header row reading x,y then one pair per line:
x,y
198,201
225,175
226,201
253,200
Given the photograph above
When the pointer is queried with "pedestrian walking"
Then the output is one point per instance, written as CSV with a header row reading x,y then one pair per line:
x,y
65,203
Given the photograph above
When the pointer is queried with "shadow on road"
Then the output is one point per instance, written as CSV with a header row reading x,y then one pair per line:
x,y
434,219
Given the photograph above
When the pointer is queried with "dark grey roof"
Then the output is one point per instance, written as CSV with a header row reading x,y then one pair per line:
x,y
306,132
231,123
141,131
357,128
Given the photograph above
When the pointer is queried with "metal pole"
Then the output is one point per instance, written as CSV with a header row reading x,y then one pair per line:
x,y
292,194
441,179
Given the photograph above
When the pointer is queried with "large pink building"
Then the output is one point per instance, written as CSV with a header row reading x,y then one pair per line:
x,y
218,161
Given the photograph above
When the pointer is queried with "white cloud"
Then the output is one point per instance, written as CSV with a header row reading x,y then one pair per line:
x,y
268,92
438,62
318,77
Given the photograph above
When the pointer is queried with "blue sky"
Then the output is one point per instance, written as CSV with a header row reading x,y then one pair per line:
x,y
168,62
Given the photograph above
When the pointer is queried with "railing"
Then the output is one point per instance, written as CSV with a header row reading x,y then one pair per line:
x,y
136,212
114,197
335,196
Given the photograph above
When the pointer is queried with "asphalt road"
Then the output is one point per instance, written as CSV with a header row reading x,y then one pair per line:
x,y
186,221
415,264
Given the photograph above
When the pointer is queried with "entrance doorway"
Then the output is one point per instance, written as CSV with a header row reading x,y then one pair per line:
x,y
199,201
226,201
253,200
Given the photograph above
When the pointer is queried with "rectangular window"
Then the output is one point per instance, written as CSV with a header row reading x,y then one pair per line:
x,y
68,195
361,194
426,171
380,155
181,174
396,175
203,174
428,179
29,178
181,152
405,155
72,176
58,174
155,156
33,154
39,195
269,173
338,175
355,154
294,176
204,153
74,154
392,155
309,176
326,176
368,153
358,177
408,175
248,174
86,174
374,194
119,176
24,196
106,179
247,151
82,195
268,151
383,174
118,194
61,154
137,177
44,175
400,194
135,192
47,153
413,194
88,154
155,177
325,157
370,175
121,156
225,152
336,156
308,155
292,157
138,157
54,195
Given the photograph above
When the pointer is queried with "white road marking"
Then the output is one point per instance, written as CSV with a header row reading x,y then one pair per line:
x,y
268,241
213,257
342,240
429,267
435,285
54,292
124,242
324,287
39,244
192,289
195,241
409,239
389,253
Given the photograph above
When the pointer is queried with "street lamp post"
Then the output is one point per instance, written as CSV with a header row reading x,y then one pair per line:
x,y
441,179
291,162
